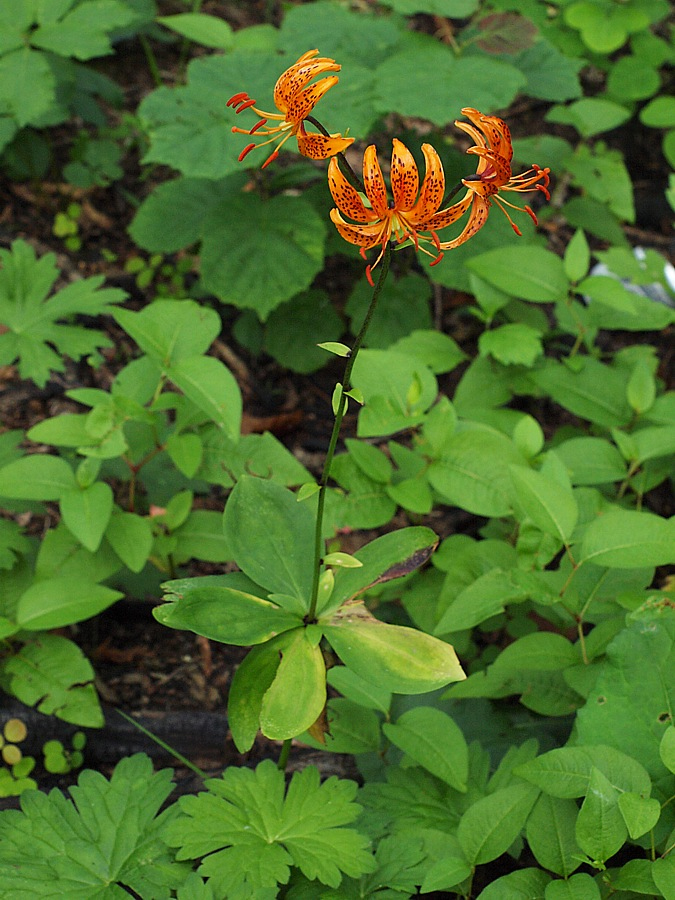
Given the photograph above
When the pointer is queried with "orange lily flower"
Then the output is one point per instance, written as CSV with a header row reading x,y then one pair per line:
x,y
413,214
295,101
493,175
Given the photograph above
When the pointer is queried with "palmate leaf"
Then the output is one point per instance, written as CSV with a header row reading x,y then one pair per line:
x,y
250,834
34,324
95,846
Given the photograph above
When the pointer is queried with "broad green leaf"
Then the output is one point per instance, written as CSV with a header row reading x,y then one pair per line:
x,y
130,536
210,385
486,596
436,350
625,539
591,460
60,601
513,344
86,512
481,82
431,739
52,674
453,9
201,537
275,248
403,306
210,31
551,74
663,873
577,258
551,834
639,813
578,392
251,680
635,876
641,387
524,883
396,658
36,477
579,887
353,728
600,828
65,430
490,825
185,451
170,331
222,614
248,830
625,708
389,556
565,772
157,229
27,85
294,329
297,695
83,31
473,472
357,690
659,113
590,115
109,834
548,503
271,536
667,748
530,273
542,650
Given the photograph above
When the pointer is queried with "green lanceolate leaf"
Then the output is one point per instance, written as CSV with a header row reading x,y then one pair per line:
x,y
431,738
624,539
271,536
600,829
388,557
551,834
398,659
86,512
549,503
222,613
36,477
489,827
56,602
212,388
297,695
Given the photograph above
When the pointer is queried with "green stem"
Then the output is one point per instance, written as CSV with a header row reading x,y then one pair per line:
x,y
283,756
151,60
339,415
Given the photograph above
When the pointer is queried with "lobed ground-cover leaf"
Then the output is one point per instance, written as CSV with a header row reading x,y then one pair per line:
x,y
99,844
37,334
249,831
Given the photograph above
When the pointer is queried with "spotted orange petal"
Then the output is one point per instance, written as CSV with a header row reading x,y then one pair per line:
x,y
321,146
432,190
302,103
479,214
296,77
365,236
373,182
496,131
490,160
404,178
445,217
346,198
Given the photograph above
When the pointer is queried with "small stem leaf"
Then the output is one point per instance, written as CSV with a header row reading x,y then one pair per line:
x,y
335,347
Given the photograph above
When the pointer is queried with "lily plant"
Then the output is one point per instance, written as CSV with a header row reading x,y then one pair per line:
x,y
299,608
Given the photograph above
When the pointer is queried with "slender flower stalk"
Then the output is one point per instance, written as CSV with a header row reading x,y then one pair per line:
x,y
294,98
341,408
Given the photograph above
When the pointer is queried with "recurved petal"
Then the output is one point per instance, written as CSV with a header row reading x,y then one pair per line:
x,y
365,236
373,182
347,198
490,160
405,182
496,131
479,214
297,76
450,214
432,190
302,103
321,146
